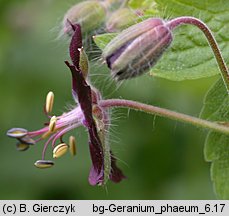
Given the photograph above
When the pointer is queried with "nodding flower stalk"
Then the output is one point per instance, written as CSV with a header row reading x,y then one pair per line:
x,y
172,24
87,112
139,47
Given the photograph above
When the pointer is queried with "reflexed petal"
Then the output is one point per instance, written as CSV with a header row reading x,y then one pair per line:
x,y
116,174
83,92
97,171
75,45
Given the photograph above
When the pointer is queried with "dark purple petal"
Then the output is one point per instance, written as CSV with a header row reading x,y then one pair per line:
x,y
116,174
75,44
83,92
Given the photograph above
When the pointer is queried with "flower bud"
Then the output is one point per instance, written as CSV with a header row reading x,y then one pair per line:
x,y
89,14
121,19
137,48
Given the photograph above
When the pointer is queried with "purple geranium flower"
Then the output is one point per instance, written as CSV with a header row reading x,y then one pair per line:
x,y
87,113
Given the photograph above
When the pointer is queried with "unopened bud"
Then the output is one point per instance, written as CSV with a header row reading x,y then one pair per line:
x,y
72,145
52,124
137,48
89,14
16,132
60,150
49,102
83,63
121,19
42,164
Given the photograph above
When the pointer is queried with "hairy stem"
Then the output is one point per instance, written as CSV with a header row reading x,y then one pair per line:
x,y
164,113
211,40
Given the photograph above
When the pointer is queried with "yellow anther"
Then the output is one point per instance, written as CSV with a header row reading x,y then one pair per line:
x,y
42,164
27,140
52,124
72,145
49,102
17,132
46,134
60,150
22,146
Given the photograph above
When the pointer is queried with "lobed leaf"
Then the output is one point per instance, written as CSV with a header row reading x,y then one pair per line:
x,y
214,98
102,40
216,150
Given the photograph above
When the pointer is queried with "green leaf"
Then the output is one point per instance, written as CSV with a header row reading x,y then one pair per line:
x,y
136,4
103,39
190,56
214,98
216,150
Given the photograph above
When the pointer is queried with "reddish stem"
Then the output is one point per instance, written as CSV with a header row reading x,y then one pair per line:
x,y
211,40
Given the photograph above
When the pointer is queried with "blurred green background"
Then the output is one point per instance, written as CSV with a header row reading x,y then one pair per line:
x,y
162,159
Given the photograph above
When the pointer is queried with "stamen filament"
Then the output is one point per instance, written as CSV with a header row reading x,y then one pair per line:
x,y
62,132
46,145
